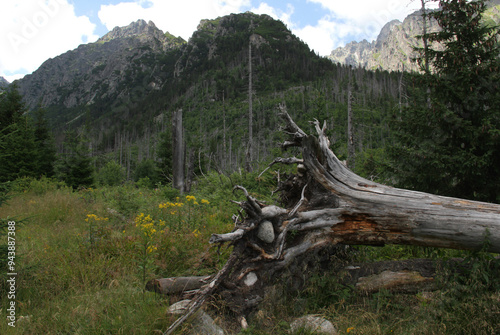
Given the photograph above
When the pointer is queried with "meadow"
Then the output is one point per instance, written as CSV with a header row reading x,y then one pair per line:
x,y
83,258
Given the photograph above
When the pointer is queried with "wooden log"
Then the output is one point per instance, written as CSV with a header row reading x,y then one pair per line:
x,y
394,281
375,214
176,285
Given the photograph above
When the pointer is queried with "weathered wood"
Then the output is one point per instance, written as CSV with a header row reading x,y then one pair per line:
x,y
377,214
178,150
176,285
205,291
394,281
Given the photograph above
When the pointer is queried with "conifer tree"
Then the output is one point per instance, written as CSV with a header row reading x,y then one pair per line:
x,y
453,147
165,155
76,167
44,144
11,106
17,143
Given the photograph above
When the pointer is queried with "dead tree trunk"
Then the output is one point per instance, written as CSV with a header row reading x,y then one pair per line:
x,y
327,206
178,150
350,126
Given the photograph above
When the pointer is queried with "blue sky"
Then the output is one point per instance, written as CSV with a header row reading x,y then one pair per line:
x,y
33,31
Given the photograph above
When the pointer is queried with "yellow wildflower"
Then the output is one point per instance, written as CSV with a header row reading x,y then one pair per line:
x,y
204,201
151,248
94,217
350,329
196,233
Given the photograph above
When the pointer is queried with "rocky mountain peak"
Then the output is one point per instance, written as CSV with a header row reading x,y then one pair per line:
x,y
100,70
138,28
3,83
386,30
394,48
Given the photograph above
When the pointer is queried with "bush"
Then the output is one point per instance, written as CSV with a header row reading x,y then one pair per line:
x,y
38,186
111,174
147,169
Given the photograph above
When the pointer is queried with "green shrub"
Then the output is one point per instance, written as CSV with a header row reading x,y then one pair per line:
x,y
38,186
147,168
126,199
111,174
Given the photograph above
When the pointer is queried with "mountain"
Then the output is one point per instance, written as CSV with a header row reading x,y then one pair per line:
x,y
121,90
3,83
138,65
102,70
393,48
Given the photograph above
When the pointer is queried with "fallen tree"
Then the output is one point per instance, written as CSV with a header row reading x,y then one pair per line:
x,y
327,206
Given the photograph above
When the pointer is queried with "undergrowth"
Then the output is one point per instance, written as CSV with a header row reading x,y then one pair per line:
x,y
85,256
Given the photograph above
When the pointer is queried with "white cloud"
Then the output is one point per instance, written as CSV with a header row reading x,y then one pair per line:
x,y
369,12
179,18
321,37
276,13
35,30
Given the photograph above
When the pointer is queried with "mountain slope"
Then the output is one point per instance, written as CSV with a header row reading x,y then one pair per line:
x,y
393,49
3,83
122,90
102,70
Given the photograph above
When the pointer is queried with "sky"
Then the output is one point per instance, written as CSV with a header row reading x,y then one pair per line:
x,y
32,31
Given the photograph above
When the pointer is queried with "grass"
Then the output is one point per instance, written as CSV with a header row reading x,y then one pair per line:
x,y
79,262
83,259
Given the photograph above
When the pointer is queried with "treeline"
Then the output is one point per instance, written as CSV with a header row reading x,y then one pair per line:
x,y
27,147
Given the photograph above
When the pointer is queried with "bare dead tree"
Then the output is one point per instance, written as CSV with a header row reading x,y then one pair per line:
x,y
350,125
249,153
178,152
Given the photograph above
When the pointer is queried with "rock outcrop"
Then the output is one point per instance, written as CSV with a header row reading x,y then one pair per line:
x,y
3,83
393,49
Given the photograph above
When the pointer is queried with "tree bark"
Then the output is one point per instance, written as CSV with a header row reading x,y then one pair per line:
x,y
350,126
249,153
178,150
326,205
377,214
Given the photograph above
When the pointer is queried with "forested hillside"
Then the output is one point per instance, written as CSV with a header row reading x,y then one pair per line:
x,y
129,101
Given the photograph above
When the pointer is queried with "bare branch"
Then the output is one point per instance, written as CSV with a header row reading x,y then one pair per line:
x,y
290,161
221,238
257,211
297,206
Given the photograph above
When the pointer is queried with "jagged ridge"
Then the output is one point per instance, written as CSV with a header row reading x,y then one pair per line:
x,y
394,48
